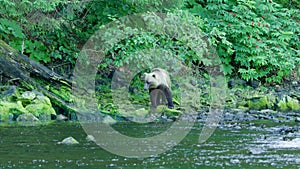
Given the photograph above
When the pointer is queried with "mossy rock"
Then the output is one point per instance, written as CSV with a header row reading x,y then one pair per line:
x,y
288,103
27,117
41,110
264,102
41,107
68,141
7,109
293,104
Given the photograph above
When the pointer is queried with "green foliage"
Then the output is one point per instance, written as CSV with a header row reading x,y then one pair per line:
x,y
155,5
37,29
154,45
263,35
254,39
289,3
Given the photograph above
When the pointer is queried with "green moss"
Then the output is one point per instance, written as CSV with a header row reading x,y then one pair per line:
x,y
292,104
282,106
288,103
63,92
40,110
259,103
40,106
8,108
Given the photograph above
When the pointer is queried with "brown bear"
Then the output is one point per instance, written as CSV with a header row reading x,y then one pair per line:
x,y
159,84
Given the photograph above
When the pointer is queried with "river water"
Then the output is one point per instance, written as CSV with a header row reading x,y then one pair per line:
x,y
231,146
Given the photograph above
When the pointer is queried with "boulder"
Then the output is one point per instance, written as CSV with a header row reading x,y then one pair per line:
x,y
68,141
27,117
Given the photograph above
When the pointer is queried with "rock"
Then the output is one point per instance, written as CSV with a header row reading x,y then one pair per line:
x,y
61,117
28,95
7,109
254,83
297,119
235,161
90,138
41,110
27,117
295,83
267,111
287,129
277,88
42,99
68,141
10,116
256,151
231,83
228,116
9,92
109,120
41,107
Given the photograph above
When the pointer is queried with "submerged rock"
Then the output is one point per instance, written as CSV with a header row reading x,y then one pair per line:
x,y
27,117
68,141
61,117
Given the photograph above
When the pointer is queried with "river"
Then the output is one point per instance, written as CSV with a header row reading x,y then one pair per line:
x,y
231,146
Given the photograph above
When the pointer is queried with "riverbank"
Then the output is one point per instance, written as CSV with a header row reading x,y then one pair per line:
x,y
244,102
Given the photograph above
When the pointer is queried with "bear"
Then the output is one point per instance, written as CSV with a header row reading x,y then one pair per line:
x,y
159,85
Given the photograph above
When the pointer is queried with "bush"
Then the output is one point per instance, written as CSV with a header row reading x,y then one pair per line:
x,y
263,35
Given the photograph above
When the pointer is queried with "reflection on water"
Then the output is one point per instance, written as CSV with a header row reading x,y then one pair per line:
x,y
240,147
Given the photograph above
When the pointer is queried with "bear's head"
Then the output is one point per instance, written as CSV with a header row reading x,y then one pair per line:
x,y
150,81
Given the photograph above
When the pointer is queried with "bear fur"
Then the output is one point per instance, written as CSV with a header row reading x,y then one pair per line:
x,y
159,84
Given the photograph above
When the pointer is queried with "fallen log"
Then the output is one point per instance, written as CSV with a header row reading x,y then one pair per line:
x,y
32,75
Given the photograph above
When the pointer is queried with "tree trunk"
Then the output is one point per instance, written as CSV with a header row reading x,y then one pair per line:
x,y
16,66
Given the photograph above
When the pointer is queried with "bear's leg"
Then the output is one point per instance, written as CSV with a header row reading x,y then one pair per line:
x,y
161,98
153,97
168,95
158,97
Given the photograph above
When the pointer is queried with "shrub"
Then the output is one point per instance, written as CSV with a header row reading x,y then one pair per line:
x,y
263,35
